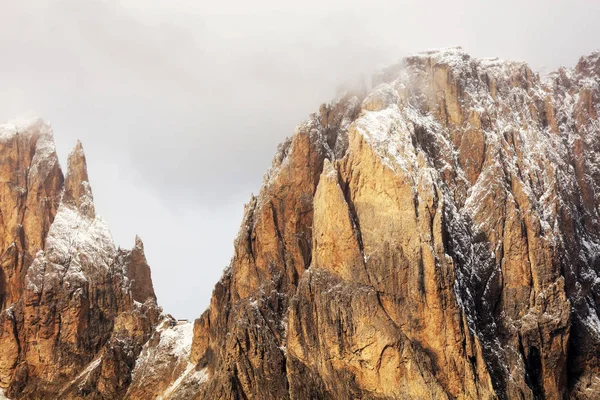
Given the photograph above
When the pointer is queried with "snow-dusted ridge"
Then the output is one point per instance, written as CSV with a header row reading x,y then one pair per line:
x,y
74,293
479,155
165,358
506,157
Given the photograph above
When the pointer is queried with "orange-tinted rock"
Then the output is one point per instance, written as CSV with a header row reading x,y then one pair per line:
x,y
77,191
69,326
30,188
449,251
138,273
433,238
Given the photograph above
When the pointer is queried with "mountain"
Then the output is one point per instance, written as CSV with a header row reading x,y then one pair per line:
x,y
76,311
436,236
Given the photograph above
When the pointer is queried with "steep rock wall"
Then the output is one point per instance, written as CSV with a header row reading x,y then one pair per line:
x,y
435,237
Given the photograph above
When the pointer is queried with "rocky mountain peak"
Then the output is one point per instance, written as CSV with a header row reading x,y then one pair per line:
x,y
139,244
78,192
138,272
590,64
437,252
70,319
30,189
436,237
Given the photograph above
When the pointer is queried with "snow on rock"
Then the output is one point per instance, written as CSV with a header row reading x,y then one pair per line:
x,y
34,125
177,341
190,375
83,376
380,98
504,167
44,157
77,248
388,134
68,285
162,369
45,152
454,57
73,235
79,245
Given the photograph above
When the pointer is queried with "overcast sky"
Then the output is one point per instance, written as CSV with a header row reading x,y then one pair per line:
x,y
180,105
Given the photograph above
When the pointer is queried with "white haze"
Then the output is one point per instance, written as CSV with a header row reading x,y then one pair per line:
x,y
180,104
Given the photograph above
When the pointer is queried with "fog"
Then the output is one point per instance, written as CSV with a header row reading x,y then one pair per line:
x,y
180,105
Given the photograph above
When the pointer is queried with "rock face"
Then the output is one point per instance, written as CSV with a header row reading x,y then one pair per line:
x,y
435,237
75,311
163,370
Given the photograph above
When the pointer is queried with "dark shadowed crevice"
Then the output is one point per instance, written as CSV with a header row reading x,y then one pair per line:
x,y
533,376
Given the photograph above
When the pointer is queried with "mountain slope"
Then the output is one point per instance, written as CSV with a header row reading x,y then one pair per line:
x,y
71,301
435,237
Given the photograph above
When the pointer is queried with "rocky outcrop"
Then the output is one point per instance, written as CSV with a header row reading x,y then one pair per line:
x,y
76,311
30,191
435,237
163,369
77,192
137,272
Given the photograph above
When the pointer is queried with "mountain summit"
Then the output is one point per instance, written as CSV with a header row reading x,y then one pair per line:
x,y
70,325
434,237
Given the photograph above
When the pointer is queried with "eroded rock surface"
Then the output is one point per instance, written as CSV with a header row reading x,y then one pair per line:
x,y
436,237
433,237
75,310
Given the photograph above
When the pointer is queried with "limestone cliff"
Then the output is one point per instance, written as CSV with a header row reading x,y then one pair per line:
x,y
434,237
74,310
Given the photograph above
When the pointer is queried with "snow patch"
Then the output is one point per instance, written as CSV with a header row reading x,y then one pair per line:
x,y
72,235
191,375
168,356
593,322
83,375
387,133
178,340
86,372
78,250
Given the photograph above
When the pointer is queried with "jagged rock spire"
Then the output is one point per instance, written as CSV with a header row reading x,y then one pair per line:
x,y
78,192
59,261
139,245
138,272
31,184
